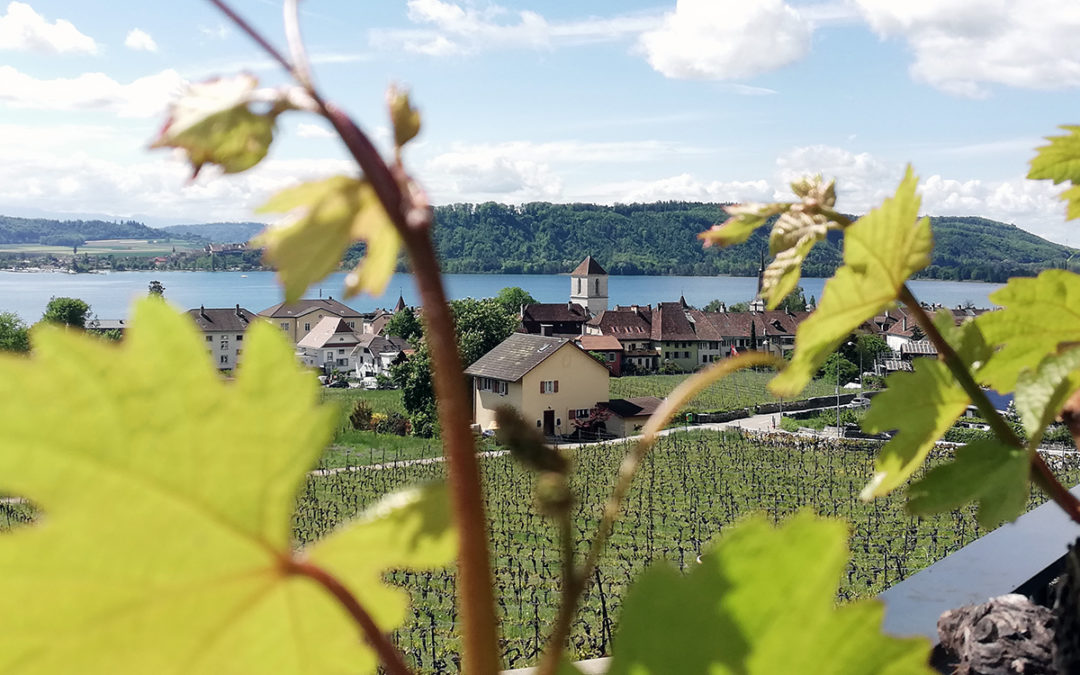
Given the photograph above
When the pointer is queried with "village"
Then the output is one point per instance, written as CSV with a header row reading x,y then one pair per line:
x,y
555,368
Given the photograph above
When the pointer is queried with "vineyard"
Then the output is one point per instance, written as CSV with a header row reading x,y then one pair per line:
x,y
739,390
692,486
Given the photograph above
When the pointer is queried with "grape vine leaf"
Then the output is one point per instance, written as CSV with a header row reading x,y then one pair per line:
x,y
986,470
1038,316
167,495
794,235
1041,393
1059,161
403,116
921,405
762,601
881,250
742,221
213,123
326,216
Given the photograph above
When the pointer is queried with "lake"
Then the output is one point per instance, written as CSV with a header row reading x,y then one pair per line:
x,y
110,295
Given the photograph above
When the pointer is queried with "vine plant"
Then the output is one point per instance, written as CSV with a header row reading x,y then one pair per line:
x,y
164,544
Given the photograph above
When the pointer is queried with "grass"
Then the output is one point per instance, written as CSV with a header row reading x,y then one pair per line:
x,y
693,487
739,390
381,401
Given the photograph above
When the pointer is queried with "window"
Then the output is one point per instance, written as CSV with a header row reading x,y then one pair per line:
x,y
341,351
307,326
239,338
352,324
610,356
285,326
598,287
224,358
549,387
238,352
209,338
579,413
491,384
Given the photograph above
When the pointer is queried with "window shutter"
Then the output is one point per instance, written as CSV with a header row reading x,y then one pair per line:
x,y
556,386
541,386
571,413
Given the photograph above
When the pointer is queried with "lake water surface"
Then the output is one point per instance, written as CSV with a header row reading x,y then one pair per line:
x,y
110,295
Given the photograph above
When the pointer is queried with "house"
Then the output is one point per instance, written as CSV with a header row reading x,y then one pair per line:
x,y
632,327
373,355
549,380
329,345
553,319
607,346
673,336
627,416
297,319
224,330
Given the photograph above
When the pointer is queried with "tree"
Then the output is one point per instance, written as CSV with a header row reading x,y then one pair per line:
x,y
917,333
716,305
404,324
513,297
848,370
14,333
739,307
870,348
480,325
794,302
68,311
157,288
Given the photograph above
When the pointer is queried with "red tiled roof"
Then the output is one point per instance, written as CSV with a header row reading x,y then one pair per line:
x,y
588,266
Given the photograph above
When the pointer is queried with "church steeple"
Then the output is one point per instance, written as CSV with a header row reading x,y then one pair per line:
x,y
589,286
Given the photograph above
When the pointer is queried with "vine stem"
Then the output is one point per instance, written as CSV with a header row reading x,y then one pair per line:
x,y
1041,473
408,210
391,658
579,580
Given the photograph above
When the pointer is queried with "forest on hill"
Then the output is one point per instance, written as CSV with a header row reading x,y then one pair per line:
x,y
652,239
661,238
60,232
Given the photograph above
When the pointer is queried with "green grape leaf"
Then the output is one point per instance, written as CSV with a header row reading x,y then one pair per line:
x,y
213,123
1060,162
403,116
167,497
1039,316
327,216
743,220
881,250
988,471
794,235
763,601
1042,392
921,405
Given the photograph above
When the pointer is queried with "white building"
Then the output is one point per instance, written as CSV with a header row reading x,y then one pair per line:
x,y
224,332
589,286
329,345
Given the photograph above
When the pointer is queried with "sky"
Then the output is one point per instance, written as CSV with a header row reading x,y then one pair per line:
x,y
606,101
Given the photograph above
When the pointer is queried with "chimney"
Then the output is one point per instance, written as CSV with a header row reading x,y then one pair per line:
x,y
238,312
905,322
202,312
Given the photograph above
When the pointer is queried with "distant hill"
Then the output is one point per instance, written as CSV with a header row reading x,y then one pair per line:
x,y
219,233
661,238
44,230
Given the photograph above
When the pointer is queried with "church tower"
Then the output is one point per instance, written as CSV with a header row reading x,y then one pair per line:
x,y
588,286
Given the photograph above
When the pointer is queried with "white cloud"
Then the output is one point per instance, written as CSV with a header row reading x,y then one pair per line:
x,y
153,185
864,181
726,39
140,41
23,29
308,130
960,46
462,176
450,28
216,32
684,187
144,97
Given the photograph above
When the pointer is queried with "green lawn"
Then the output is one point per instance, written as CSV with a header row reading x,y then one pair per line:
x,y
739,390
381,401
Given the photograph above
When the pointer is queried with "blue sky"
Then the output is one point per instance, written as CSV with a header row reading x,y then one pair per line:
x,y
599,101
